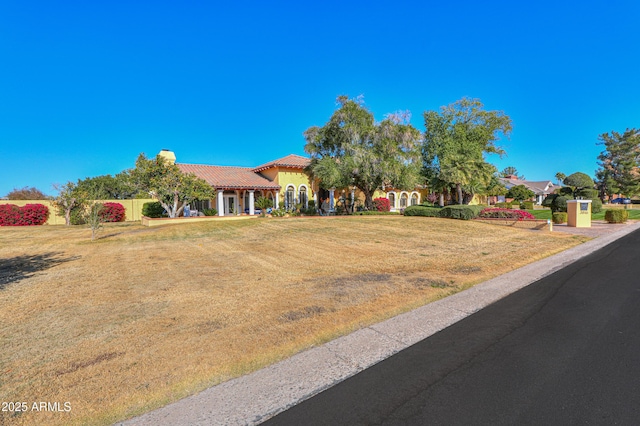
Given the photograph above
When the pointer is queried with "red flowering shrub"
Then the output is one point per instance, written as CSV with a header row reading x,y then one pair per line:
x,y
30,214
499,213
112,212
382,204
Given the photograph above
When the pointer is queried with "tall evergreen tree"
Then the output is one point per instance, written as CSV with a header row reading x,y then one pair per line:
x,y
619,163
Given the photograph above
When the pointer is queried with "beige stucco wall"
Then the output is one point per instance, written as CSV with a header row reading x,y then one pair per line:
x,y
133,208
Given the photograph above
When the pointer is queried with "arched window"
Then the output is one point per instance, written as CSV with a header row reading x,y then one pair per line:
x,y
392,200
404,198
414,199
302,197
290,198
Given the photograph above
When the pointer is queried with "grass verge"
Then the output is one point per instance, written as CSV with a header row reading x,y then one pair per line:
x,y
146,316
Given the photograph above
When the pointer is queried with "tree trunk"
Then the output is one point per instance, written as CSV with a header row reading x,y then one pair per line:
x,y
459,190
441,199
368,200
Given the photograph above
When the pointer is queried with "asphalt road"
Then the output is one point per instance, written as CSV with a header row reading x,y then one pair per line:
x,y
564,350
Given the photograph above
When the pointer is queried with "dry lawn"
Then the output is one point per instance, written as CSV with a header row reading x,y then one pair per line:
x,y
146,316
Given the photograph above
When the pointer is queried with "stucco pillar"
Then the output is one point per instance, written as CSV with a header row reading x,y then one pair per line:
x,y
251,201
220,201
331,198
277,204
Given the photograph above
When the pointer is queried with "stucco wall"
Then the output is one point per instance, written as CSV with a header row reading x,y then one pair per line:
x,y
133,208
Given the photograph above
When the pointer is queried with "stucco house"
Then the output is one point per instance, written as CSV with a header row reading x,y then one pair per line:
x,y
540,188
284,180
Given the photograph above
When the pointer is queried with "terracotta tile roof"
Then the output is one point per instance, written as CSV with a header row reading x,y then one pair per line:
x,y
226,177
292,160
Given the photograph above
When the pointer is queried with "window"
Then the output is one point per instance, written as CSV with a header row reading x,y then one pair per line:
x,y
403,200
303,196
290,198
392,200
414,199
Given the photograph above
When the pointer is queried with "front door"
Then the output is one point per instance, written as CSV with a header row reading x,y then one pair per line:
x,y
230,205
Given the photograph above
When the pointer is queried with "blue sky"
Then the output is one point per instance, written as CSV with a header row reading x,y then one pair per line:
x,y
85,87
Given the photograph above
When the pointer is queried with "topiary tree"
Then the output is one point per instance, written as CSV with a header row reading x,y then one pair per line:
x,y
579,181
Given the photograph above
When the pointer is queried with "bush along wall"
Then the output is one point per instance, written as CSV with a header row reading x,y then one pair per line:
x,y
616,216
28,215
152,209
112,212
382,204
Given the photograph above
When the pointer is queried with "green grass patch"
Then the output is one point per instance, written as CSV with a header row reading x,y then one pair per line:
x,y
634,214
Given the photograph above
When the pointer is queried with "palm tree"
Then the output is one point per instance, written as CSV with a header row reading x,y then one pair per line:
x,y
560,177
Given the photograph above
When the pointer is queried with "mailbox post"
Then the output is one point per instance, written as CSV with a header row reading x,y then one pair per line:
x,y
579,213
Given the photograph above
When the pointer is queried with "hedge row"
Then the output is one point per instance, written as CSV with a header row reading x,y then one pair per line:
x,y
28,215
451,212
422,211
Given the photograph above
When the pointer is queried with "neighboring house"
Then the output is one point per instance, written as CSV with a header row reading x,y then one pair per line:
x,y
540,188
283,180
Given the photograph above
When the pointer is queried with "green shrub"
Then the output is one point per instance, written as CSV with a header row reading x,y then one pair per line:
x,y
210,212
153,209
422,211
526,205
616,216
559,217
427,204
311,204
278,212
596,205
461,212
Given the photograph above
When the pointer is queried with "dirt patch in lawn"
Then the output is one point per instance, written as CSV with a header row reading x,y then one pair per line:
x,y
142,317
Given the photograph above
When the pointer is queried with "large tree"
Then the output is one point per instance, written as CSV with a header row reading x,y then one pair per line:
x,y
107,187
351,149
166,183
619,171
456,140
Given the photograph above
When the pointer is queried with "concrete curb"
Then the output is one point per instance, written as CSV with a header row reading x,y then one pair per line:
x,y
258,396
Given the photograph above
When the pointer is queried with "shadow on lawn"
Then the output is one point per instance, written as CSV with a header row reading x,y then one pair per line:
x,y
18,268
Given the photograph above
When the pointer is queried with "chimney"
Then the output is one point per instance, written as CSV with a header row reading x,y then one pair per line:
x,y
170,156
